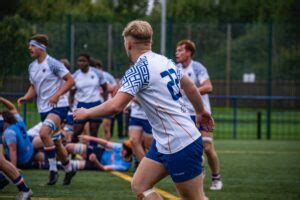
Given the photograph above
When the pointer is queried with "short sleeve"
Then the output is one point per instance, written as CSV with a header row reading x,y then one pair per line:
x,y
18,117
57,68
202,74
136,78
10,137
102,79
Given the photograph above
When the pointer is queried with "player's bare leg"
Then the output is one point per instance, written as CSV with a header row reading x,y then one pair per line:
x,y
106,124
78,129
146,176
135,136
13,174
50,124
213,161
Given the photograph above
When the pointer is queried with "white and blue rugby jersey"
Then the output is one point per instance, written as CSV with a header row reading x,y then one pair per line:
x,y
137,111
109,78
198,74
88,85
155,81
47,79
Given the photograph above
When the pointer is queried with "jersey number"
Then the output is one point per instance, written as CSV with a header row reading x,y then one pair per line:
x,y
173,82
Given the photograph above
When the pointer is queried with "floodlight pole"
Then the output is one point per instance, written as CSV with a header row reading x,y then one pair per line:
x,y
163,27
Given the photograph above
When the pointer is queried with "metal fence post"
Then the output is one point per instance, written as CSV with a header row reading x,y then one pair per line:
x,y
259,125
234,120
228,62
269,89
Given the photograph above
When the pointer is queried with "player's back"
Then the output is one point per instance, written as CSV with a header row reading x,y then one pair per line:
x,y
156,82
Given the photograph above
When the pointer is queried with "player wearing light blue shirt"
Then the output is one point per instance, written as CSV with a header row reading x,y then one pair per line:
x,y
106,156
16,138
156,82
7,167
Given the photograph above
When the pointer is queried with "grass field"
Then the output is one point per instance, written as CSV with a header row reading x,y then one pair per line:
x,y
251,169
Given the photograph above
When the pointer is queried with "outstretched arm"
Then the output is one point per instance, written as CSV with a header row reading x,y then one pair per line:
x,y
9,105
103,142
111,107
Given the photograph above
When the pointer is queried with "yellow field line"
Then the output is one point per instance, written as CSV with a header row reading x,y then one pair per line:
x,y
256,152
160,191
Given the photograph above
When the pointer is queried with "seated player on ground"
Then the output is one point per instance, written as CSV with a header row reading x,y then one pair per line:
x,y
12,172
18,147
106,156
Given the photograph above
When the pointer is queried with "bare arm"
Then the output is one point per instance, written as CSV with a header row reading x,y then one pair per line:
x,y
98,164
202,117
9,105
29,95
192,93
13,153
103,142
69,82
110,107
206,87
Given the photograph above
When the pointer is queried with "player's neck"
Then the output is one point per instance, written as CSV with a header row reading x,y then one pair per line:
x,y
85,69
136,54
42,57
186,63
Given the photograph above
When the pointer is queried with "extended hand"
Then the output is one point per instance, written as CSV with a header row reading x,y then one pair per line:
x,y
80,113
21,101
53,101
206,121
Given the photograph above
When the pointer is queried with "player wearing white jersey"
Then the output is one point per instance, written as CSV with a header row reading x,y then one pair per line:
x,y
139,130
88,81
107,121
155,81
198,74
50,80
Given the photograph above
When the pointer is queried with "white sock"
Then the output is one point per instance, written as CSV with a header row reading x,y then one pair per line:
x,y
52,164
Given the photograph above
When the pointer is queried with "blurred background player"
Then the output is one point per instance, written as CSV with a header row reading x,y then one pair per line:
x,y
105,156
139,130
177,148
107,121
185,50
86,93
12,172
50,80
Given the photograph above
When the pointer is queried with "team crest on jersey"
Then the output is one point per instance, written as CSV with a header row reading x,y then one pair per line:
x,y
92,77
189,74
44,70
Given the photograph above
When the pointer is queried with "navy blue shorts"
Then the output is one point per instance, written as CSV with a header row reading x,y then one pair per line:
x,y
62,112
183,165
87,106
193,117
70,120
143,123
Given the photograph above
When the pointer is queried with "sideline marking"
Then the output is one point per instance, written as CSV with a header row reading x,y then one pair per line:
x,y
162,192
